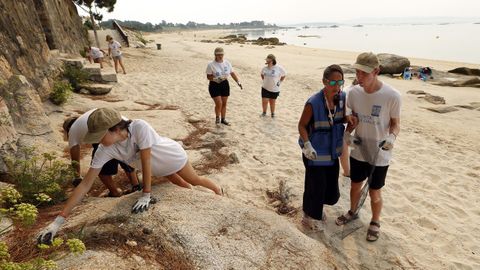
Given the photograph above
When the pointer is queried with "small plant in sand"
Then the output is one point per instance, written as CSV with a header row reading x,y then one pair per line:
x,y
281,199
40,178
75,76
61,91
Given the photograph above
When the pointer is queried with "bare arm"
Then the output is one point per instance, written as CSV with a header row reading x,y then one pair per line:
x,y
75,156
394,126
282,78
234,76
145,157
303,122
80,191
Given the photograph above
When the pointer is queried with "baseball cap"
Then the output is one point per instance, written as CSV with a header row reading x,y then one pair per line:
x,y
366,62
218,50
99,122
271,56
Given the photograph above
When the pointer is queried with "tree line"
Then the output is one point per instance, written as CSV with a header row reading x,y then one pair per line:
x,y
163,25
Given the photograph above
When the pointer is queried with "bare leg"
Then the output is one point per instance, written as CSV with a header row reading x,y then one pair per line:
x,y
345,160
218,106
376,203
264,105
224,106
272,105
121,64
132,176
115,61
177,180
355,189
100,60
107,180
189,174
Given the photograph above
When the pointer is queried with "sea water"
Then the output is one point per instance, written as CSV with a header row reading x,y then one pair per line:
x,y
459,42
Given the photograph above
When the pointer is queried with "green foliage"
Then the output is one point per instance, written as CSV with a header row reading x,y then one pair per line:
x,y
40,178
9,196
140,38
61,92
76,246
75,76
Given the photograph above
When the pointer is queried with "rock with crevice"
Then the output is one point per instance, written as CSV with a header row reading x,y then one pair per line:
x,y
444,109
194,229
96,88
434,99
466,71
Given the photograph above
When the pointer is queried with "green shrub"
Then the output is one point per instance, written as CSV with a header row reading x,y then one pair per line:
x,y
75,76
61,92
40,178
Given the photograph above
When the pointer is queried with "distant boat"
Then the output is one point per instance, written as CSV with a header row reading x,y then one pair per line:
x,y
334,26
306,27
358,25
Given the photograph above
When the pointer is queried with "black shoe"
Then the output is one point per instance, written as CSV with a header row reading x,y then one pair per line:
x,y
225,122
217,120
273,115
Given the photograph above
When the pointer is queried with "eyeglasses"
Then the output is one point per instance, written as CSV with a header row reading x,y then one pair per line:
x,y
333,82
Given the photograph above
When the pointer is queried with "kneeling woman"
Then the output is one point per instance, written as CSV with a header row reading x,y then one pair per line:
x,y
136,143
321,138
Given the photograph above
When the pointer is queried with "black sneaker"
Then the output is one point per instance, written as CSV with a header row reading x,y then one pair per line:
x,y
217,120
225,122
273,115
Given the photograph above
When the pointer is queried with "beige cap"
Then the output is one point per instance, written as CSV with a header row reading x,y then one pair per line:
x,y
99,122
218,50
271,56
366,62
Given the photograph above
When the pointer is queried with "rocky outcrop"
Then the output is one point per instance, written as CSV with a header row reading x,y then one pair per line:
x,y
29,29
191,229
392,64
466,71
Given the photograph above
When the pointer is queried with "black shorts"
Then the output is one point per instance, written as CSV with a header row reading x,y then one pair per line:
x,y
268,94
111,167
219,89
360,170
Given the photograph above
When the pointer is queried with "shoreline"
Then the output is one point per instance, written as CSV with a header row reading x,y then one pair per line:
x,y
418,61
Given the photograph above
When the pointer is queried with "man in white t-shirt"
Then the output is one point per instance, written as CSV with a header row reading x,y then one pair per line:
x,y
272,75
95,55
75,129
376,105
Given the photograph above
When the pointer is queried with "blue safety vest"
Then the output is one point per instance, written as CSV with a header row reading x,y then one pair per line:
x,y
325,137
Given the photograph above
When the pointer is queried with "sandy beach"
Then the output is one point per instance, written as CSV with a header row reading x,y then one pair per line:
x,y
431,205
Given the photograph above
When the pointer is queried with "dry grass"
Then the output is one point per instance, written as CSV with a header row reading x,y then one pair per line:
x,y
158,106
280,199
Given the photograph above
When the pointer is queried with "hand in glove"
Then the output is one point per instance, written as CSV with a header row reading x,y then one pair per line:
x,y
351,140
309,151
142,204
387,144
240,85
47,235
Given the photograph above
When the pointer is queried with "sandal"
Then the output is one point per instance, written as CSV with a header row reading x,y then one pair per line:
x,y
373,232
346,218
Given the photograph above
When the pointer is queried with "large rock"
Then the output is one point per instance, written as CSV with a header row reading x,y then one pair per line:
x,y
108,76
190,229
466,71
392,64
469,82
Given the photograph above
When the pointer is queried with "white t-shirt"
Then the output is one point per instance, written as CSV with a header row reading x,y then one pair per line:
x,y
167,156
271,76
220,71
79,129
115,48
374,112
95,53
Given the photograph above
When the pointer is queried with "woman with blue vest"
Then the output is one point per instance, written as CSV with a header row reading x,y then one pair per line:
x,y
321,138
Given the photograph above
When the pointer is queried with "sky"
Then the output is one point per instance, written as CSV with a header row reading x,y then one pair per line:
x,y
287,12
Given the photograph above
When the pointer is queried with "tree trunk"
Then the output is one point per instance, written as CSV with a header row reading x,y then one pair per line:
x,y
94,28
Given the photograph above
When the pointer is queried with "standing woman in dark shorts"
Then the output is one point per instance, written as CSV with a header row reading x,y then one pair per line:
x,y
217,73
272,76
321,138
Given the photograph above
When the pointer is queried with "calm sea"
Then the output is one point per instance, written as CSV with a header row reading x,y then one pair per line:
x,y
451,42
